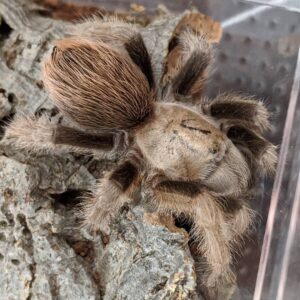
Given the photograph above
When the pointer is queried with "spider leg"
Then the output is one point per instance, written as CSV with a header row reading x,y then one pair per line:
x,y
244,119
189,55
239,218
240,224
260,152
138,52
112,192
40,135
122,36
109,30
188,66
240,109
201,24
210,230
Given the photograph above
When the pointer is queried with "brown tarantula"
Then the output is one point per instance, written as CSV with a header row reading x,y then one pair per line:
x,y
190,156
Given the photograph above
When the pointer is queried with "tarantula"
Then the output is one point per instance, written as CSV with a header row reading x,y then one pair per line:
x,y
190,156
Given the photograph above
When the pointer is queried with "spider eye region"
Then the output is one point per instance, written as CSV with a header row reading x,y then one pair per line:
x,y
188,123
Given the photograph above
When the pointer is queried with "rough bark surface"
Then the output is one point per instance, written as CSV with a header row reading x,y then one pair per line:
x,y
43,252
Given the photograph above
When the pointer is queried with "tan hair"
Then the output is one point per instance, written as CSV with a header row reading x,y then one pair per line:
x,y
92,79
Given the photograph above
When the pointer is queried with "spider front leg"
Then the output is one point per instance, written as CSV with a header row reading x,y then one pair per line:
x,y
240,223
120,35
189,57
112,192
243,120
187,67
41,135
109,30
260,153
230,107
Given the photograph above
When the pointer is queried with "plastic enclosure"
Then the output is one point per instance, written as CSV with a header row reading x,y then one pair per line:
x,y
287,4
259,55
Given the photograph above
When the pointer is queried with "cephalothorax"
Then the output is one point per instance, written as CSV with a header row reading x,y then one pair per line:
x,y
191,156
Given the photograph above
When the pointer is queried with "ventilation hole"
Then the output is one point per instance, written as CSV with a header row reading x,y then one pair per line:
x,y
227,37
222,57
259,86
248,80
252,20
282,69
218,77
1,256
288,49
2,237
239,81
273,24
292,28
243,61
241,4
5,30
263,65
278,90
267,45
68,198
15,262
247,41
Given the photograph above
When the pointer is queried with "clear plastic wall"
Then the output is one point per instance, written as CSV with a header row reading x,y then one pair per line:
x,y
261,48
259,54
286,4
